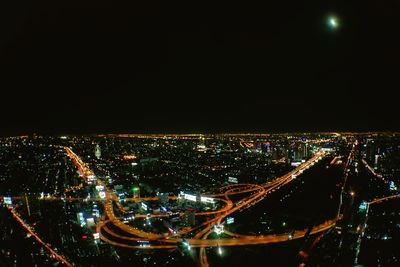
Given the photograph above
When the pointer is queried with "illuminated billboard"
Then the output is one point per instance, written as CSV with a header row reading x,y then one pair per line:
x,y
230,220
81,219
7,201
233,180
90,222
363,206
392,186
190,197
207,199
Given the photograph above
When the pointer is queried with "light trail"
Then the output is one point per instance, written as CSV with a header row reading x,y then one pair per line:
x,y
382,199
258,192
51,251
373,171
244,240
346,175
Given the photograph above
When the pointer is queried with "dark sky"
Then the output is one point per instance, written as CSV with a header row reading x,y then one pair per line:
x,y
98,66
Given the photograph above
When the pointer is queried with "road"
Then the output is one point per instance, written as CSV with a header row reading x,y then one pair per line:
x,y
54,254
380,200
167,240
377,175
238,240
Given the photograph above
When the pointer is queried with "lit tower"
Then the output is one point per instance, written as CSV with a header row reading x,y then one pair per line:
x,y
136,191
97,151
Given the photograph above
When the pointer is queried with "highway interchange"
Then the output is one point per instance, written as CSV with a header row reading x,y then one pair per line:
x,y
251,195
114,231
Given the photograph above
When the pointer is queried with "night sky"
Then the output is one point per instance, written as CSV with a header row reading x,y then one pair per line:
x,y
98,66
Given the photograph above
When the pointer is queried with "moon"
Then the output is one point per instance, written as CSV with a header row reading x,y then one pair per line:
x,y
333,22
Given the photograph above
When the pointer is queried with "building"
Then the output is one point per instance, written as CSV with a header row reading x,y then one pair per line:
x,y
189,217
97,152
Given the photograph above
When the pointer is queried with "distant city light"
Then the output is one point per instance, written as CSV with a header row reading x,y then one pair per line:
x,y
129,157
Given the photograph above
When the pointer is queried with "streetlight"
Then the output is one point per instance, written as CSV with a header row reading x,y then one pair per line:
x,y
187,244
219,250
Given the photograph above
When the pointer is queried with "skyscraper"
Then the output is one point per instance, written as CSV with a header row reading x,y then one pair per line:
x,y
97,151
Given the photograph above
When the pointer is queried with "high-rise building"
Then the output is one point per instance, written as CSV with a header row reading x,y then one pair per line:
x,y
267,147
298,153
97,151
305,150
376,161
371,150
189,217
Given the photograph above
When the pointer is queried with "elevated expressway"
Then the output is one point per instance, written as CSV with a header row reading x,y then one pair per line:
x,y
130,237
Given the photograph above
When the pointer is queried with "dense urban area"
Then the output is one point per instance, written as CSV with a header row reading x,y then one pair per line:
x,y
301,199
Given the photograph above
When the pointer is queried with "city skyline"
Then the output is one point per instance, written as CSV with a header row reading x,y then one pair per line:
x,y
306,199
158,133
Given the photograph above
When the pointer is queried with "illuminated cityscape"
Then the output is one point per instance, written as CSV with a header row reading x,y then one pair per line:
x,y
195,133
315,199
